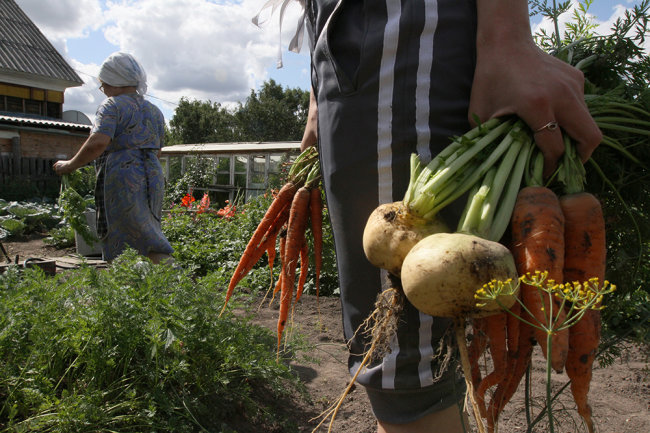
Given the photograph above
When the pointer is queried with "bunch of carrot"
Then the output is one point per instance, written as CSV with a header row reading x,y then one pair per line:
x,y
565,237
295,208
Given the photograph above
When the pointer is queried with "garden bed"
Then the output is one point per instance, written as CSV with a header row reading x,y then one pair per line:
x,y
620,393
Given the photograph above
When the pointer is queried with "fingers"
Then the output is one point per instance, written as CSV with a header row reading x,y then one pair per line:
x,y
551,144
582,128
61,168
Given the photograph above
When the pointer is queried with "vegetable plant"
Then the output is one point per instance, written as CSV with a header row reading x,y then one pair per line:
x,y
135,347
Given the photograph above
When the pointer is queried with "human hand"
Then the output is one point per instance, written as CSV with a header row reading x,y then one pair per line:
x,y
519,78
63,167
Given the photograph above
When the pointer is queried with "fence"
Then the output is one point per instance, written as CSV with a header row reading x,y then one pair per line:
x,y
27,175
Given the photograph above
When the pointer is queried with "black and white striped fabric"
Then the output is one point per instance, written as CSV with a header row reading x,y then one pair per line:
x,y
392,78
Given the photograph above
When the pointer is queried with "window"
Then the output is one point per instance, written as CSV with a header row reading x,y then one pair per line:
x,y
32,106
53,110
241,170
14,104
258,171
223,170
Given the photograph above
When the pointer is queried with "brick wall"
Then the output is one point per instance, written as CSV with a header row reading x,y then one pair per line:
x,y
43,145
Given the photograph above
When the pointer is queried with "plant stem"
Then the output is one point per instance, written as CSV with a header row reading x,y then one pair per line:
x,y
549,400
424,197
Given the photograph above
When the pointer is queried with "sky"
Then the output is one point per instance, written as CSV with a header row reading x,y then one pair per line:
x,y
207,50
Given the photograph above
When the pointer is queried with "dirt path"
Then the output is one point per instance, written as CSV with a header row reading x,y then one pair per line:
x,y
620,394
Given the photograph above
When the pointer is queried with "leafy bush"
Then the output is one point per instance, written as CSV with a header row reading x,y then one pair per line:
x,y
27,217
133,348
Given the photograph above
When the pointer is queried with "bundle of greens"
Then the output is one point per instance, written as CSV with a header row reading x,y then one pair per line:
x,y
73,207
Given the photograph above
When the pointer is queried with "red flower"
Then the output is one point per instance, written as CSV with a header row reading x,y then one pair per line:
x,y
227,211
187,201
205,203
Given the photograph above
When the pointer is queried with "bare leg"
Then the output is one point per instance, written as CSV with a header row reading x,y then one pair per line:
x,y
446,421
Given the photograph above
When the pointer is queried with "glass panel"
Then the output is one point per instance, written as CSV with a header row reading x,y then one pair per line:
x,y
257,179
174,169
240,180
275,163
275,180
259,164
223,179
223,164
240,164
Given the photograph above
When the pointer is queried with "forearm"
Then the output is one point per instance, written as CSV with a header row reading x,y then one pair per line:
x,y
310,136
92,148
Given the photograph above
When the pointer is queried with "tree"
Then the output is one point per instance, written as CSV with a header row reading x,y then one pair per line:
x,y
272,114
201,122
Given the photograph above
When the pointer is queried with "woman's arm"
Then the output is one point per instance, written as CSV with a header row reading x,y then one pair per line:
x,y
89,151
310,136
514,76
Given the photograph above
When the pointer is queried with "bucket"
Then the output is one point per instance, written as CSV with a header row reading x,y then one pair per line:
x,y
83,248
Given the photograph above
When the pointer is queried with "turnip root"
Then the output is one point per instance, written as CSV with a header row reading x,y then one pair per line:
x,y
391,232
442,272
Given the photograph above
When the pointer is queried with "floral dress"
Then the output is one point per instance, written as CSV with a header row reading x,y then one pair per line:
x,y
130,183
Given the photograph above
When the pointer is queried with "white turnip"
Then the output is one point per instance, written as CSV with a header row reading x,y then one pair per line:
x,y
442,273
391,232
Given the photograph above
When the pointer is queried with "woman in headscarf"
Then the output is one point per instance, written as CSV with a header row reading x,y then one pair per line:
x,y
125,144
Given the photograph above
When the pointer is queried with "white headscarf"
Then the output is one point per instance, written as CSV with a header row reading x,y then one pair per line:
x,y
123,70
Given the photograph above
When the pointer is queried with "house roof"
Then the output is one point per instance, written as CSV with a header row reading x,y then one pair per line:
x,y
41,122
231,148
24,49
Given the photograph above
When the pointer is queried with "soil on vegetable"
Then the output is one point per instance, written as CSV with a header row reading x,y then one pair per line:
x,y
619,396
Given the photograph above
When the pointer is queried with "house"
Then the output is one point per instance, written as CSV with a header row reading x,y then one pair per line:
x,y
34,130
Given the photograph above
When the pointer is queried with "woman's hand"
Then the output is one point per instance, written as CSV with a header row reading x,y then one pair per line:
x,y
62,167
514,76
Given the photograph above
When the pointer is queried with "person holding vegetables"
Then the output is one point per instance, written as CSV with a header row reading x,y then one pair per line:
x,y
394,78
125,144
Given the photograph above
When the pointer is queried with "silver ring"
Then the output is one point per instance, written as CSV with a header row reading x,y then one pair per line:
x,y
551,126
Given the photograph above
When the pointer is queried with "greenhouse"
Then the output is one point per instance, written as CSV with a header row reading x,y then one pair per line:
x,y
229,170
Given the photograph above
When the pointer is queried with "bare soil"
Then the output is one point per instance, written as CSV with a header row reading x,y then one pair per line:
x,y
619,396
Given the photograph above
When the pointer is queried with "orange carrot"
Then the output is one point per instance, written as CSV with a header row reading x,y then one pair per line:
x,y
316,216
513,325
294,240
258,245
585,258
477,346
495,329
304,267
271,253
521,361
538,245
278,285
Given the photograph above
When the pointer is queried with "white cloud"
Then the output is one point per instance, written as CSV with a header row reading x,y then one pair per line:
x,y
206,50
195,48
63,19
